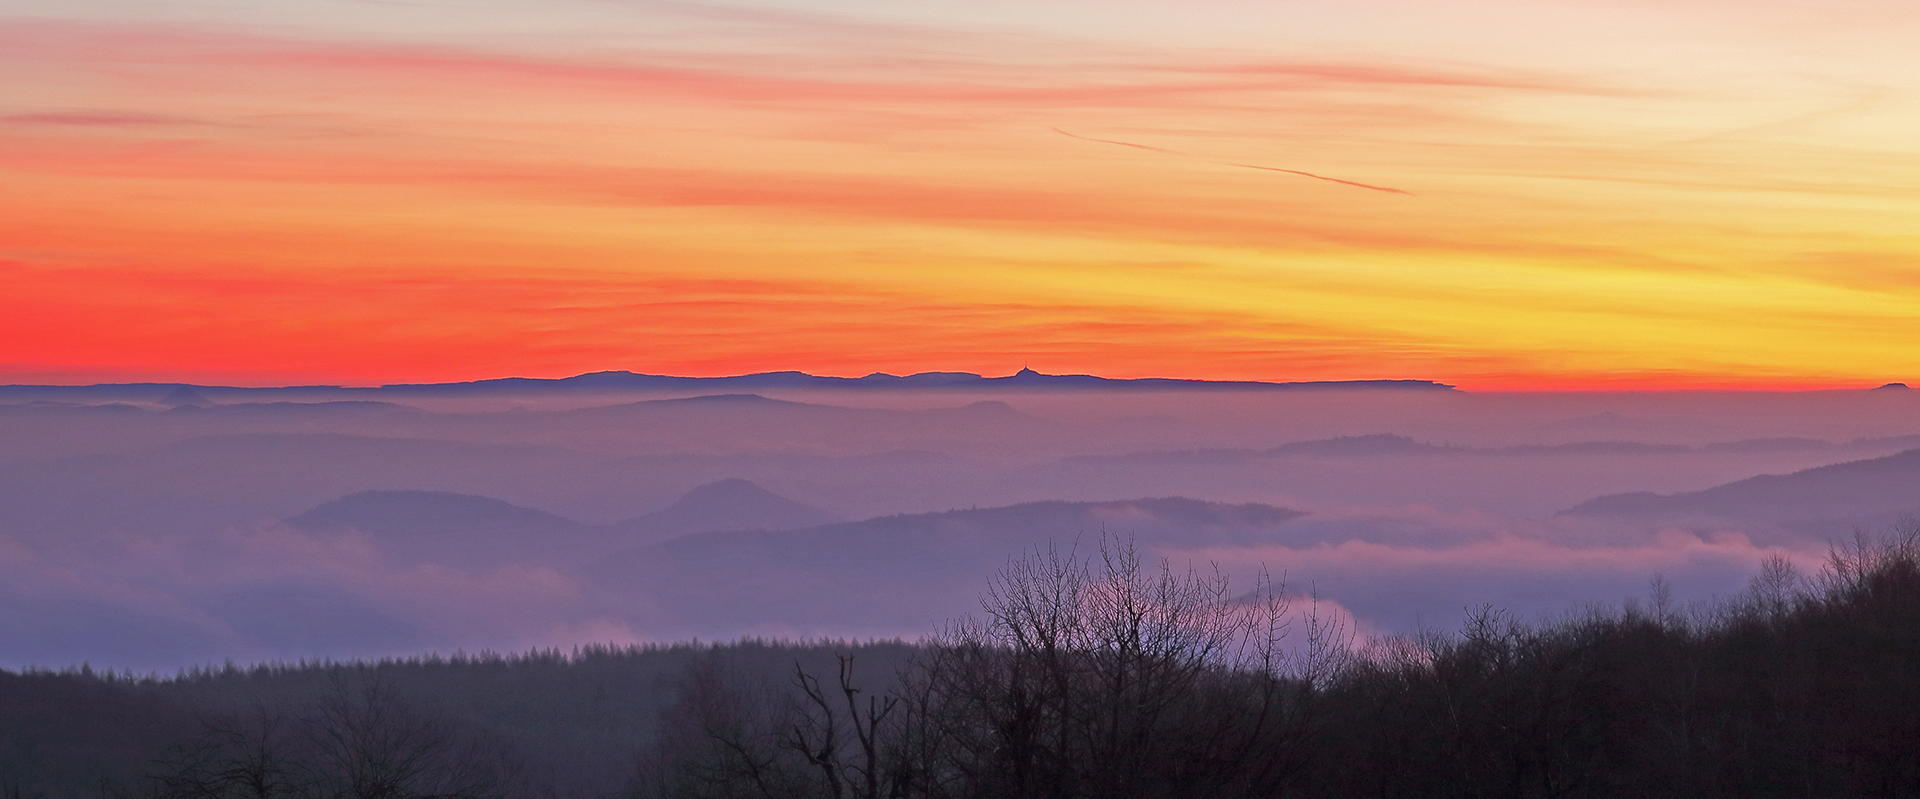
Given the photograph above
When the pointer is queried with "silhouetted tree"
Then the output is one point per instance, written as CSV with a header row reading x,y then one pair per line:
x,y
359,740
1101,678
1083,677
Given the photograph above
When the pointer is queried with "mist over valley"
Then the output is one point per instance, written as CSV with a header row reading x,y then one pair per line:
x,y
160,527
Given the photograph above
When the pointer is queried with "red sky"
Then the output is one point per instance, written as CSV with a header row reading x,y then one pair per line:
x,y
1592,194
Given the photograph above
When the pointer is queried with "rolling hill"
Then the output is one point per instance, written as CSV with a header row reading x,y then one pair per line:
x,y
1824,499
899,572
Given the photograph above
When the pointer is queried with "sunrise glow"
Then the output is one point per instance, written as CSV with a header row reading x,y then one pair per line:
x,y
1495,194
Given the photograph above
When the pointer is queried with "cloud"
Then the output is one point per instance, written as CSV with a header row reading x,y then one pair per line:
x,y
93,119
266,591
270,592
1402,583
811,155
999,73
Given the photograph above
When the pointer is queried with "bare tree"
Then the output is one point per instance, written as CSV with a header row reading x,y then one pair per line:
x,y
358,740
723,739
820,734
367,742
233,760
1100,677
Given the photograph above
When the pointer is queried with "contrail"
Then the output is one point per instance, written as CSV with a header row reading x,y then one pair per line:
x,y
1324,177
1121,143
1386,189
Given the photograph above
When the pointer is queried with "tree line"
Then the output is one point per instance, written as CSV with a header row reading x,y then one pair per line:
x,y
1093,679
1097,675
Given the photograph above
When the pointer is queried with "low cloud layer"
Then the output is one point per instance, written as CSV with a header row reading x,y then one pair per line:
x,y
273,592
136,536
1402,583
270,592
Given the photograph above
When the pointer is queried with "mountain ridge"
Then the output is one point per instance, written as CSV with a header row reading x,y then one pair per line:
x,y
622,380
1023,379
1851,490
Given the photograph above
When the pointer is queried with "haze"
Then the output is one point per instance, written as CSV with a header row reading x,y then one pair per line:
x,y
1657,249
155,527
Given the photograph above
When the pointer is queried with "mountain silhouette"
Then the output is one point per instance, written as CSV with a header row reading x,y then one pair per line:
x,y
623,381
730,504
463,531
421,514
1824,498
1377,444
475,531
905,570
184,396
1011,528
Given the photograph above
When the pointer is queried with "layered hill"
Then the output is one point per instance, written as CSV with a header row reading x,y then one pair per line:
x,y
903,572
730,504
430,514
471,531
1824,499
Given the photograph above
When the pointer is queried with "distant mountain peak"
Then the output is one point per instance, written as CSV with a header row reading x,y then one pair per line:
x,y
728,493
730,504
1026,378
184,396
1893,387
619,380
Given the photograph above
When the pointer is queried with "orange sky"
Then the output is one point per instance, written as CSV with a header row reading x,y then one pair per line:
x,y
1592,194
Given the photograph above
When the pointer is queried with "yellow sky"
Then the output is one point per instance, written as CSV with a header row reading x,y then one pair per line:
x,y
1494,194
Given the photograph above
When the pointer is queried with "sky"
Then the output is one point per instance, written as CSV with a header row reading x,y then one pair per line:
x,y
1498,194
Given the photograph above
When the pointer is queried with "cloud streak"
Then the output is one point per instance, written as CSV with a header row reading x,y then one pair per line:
x,y
91,119
1244,166
1325,178
939,176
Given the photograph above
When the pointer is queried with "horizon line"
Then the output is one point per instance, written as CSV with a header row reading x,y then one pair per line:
x,y
1025,378
926,379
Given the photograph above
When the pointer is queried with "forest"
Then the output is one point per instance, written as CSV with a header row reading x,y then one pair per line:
x,y
1085,674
